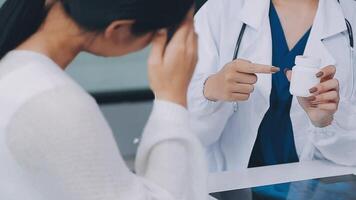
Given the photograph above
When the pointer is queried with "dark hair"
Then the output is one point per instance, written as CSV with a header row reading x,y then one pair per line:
x,y
19,19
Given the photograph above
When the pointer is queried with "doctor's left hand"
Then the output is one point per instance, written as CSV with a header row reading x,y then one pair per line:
x,y
324,100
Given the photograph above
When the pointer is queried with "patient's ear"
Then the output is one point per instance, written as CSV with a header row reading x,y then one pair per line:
x,y
119,30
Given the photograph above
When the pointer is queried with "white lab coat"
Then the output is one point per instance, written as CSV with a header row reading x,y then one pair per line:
x,y
229,136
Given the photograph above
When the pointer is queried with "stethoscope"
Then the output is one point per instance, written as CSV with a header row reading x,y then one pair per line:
x,y
351,45
243,29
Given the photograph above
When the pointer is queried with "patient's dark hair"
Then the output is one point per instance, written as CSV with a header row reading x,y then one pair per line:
x,y
19,19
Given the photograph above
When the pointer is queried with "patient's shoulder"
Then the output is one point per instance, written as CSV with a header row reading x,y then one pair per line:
x,y
63,117
56,106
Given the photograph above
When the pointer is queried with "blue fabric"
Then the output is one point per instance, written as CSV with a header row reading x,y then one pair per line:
x,y
275,141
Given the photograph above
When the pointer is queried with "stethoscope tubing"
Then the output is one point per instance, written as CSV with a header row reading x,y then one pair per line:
x,y
243,29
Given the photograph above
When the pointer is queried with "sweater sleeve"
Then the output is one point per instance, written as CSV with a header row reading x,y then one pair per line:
x,y
170,150
63,141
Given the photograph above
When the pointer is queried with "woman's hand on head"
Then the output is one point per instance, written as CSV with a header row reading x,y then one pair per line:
x,y
324,100
171,66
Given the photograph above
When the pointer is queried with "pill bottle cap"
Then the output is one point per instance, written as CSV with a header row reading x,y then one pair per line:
x,y
307,61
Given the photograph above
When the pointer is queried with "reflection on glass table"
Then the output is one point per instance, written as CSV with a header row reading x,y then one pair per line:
x,y
331,188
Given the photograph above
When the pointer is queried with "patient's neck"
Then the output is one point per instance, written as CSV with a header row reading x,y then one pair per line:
x,y
59,38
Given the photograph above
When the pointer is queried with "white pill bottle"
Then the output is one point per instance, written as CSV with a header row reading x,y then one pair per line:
x,y
304,76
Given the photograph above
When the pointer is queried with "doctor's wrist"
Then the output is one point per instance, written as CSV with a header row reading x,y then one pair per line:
x,y
322,122
209,91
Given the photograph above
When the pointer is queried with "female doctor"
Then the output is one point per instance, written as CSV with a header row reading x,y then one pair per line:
x,y
242,109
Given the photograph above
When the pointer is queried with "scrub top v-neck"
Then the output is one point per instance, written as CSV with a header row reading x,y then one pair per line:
x,y
275,141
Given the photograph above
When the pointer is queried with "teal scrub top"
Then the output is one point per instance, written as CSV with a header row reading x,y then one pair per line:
x,y
275,141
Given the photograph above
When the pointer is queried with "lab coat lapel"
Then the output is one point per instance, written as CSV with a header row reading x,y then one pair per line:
x,y
328,22
257,41
254,12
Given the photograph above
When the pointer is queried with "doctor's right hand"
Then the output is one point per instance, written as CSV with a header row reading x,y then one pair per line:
x,y
235,82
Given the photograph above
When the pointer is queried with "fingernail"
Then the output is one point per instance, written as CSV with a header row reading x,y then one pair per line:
x,y
161,31
275,69
312,90
285,70
319,74
311,98
314,105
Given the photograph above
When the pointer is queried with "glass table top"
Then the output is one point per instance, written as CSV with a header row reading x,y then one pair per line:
x,y
330,188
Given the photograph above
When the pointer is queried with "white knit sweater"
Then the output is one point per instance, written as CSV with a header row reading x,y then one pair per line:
x,y
56,144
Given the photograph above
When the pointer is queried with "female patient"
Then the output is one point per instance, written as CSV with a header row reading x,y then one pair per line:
x,y
54,142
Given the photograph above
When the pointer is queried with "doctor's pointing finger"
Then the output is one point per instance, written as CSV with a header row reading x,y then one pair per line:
x,y
235,82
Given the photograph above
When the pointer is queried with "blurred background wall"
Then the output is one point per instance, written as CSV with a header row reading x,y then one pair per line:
x,y
121,88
